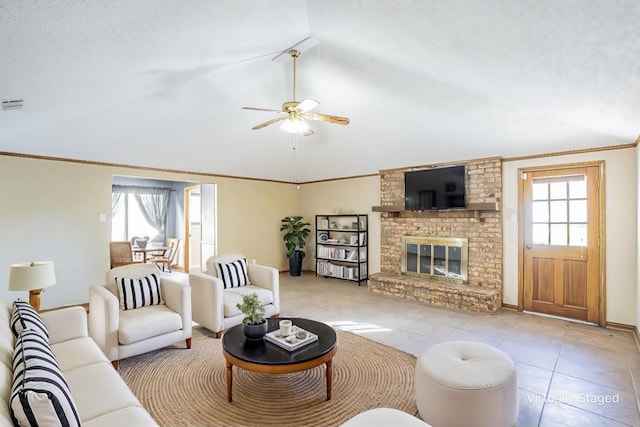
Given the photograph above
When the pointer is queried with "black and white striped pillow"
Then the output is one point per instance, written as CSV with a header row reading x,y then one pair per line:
x,y
234,274
39,395
136,293
24,316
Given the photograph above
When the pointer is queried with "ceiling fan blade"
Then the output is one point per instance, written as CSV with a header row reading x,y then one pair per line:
x,y
270,122
327,118
307,105
262,109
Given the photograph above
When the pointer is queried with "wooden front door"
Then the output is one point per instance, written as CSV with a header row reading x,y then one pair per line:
x,y
561,241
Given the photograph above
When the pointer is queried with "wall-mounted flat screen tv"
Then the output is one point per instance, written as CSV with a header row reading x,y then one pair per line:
x,y
433,189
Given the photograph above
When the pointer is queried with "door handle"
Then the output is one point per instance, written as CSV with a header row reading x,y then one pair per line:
x,y
528,246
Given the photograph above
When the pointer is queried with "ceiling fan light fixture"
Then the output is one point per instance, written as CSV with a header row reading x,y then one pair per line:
x,y
293,112
295,125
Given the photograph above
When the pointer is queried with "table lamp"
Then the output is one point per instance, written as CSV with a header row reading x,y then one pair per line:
x,y
32,277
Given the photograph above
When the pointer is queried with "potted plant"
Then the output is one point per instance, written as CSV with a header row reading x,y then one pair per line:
x,y
254,325
296,231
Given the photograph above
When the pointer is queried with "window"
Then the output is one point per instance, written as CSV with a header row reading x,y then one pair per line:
x,y
139,211
127,220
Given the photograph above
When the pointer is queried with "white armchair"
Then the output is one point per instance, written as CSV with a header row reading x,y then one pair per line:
x,y
214,307
121,334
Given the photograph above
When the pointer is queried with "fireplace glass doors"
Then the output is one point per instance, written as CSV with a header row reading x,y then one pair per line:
x,y
440,258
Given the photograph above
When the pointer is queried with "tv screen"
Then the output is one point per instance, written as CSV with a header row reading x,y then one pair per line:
x,y
432,189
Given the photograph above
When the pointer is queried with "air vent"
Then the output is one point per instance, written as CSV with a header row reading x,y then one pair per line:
x,y
13,104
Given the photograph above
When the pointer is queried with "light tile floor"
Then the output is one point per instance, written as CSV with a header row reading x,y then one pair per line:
x,y
569,373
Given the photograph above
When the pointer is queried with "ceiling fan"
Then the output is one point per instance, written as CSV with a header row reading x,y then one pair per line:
x,y
294,114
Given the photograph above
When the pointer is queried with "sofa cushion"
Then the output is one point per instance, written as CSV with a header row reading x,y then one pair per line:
x,y
147,322
136,293
77,352
6,350
99,390
233,296
233,274
26,317
6,381
129,416
40,395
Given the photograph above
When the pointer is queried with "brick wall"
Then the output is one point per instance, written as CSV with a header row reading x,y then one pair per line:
x,y
482,228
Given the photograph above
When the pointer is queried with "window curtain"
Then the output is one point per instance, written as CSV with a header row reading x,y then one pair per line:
x,y
115,203
153,203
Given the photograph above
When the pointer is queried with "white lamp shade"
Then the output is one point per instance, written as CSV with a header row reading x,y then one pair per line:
x,y
295,125
29,276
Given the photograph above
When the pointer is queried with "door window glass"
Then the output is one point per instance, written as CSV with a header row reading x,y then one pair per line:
x,y
559,211
541,234
540,212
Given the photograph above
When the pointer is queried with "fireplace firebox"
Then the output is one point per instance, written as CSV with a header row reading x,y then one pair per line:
x,y
435,258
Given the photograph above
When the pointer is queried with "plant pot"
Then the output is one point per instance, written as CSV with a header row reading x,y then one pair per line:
x,y
295,264
255,332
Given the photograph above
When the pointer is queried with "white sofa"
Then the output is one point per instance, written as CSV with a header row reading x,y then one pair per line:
x,y
101,396
214,307
121,334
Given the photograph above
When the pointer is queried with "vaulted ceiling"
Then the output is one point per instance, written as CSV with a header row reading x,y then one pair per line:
x,y
161,83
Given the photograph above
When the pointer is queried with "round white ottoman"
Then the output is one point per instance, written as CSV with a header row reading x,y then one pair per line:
x,y
466,384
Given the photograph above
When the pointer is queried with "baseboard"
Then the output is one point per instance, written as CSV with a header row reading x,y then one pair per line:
x,y
627,328
510,306
621,326
303,271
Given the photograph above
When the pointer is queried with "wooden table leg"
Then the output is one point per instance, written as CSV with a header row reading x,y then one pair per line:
x,y
229,380
329,378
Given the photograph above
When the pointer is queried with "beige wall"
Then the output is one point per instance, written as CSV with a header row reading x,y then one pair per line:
x,y
50,211
249,214
621,228
355,195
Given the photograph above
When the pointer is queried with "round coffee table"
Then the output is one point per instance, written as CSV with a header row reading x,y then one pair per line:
x,y
264,356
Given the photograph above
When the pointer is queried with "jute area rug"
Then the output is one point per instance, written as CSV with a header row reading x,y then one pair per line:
x,y
181,387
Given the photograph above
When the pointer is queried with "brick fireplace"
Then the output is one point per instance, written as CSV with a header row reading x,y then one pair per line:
x,y
479,226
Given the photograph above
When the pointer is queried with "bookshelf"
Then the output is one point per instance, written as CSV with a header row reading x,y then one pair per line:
x,y
342,247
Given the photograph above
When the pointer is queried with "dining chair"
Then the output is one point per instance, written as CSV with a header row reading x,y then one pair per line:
x,y
138,257
169,255
120,253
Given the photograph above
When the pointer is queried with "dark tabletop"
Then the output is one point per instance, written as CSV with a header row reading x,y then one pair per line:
x,y
266,353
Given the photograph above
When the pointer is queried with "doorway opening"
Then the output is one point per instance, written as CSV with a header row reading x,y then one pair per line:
x,y
129,219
